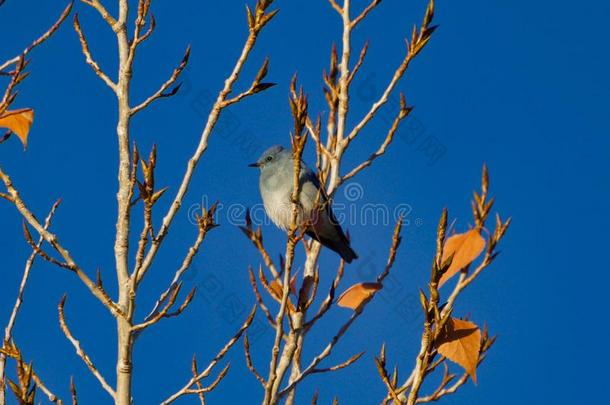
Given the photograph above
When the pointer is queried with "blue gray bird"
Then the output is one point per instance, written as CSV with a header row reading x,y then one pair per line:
x,y
315,213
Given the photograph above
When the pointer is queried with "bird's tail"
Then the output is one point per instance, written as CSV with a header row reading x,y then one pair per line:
x,y
346,252
342,246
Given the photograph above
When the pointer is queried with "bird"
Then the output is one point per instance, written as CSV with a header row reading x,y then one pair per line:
x,y
315,213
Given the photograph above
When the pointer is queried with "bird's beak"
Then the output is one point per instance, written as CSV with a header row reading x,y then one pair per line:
x,y
253,165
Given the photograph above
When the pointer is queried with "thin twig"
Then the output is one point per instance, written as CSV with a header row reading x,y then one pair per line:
x,y
205,223
249,362
209,126
89,59
256,236
259,298
365,12
414,48
73,391
339,366
10,349
40,39
20,294
345,327
201,394
162,92
402,114
45,390
53,240
79,350
164,312
103,12
336,6
186,388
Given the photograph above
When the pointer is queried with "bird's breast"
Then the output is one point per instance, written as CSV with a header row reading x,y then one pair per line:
x,y
277,205
276,191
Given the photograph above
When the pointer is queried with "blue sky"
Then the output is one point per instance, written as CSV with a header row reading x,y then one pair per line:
x,y
519,85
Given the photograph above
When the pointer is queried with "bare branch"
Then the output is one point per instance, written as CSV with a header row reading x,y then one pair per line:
x,y
73,391
365,12
417,44
256,87
205,222
324,354
162,92
336,6
195,372
249,362
89,59
143,11
45,390
390,381
10,349
213,385
262,18
402,114
149,31
53,240
186,389
164,312
19,300
42,38
96,4
9,94
327,303
149,197
256,236
40,252
26,273
361,57
336,367
314,130
79,351
344,328
259,298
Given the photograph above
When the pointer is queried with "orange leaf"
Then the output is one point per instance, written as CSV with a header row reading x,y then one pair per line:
x,y
460,342
276,288
357,294
277,291
19,122
465,247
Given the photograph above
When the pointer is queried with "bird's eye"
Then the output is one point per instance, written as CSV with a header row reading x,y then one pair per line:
x,y
269,158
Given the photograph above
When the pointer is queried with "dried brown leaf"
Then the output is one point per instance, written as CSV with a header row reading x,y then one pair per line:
x,y
465,247
460,342
275,288
357,294
18,121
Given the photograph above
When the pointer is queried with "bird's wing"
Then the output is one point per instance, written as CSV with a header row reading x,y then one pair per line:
x,y
308,176
323,203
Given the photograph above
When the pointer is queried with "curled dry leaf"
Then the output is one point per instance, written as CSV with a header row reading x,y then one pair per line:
x,y
19,122
465,247
357,294
460,342
277,291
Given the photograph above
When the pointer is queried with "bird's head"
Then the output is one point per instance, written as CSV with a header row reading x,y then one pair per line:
x,y
271,157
